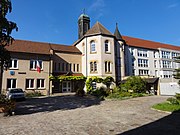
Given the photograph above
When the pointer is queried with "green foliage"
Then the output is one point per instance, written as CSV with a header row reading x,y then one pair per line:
x,y
107,81
6,28
68,78
167,107
34,94
177,96
100,93
173,101
89,83
135,84
80,92
7,104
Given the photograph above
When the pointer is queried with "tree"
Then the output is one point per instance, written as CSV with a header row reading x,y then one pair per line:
x,y
177,71
6,28
134,83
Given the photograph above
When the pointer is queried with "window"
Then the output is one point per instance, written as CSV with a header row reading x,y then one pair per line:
x,y
143,72
11,83
165,54
107,66
77,67
29,83
155,63
142,63
93,66
67,66
63,67
106,44
166,64
59,67
93,46
55,66
13,64
74,67
70,65
174,55
142,53
33,64
40,83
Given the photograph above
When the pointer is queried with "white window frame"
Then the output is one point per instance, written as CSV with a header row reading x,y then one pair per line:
x,y
107,46
34,67
40,85
108,68
166,64
93,46
29,83
93,66
13,64
143,72
165,54
142,53
143,63
11,79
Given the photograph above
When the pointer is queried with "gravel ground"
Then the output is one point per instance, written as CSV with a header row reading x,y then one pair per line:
x,y
71,115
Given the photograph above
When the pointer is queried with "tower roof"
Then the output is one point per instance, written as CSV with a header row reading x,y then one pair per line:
x,y
83,15
98,28
117,33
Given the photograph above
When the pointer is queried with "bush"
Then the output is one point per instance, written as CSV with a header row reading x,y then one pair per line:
x,y
177,96
80,92
34,94
173,101
7,106
101,92
135,84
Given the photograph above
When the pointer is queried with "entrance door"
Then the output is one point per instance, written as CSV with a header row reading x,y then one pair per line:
x,y
66,86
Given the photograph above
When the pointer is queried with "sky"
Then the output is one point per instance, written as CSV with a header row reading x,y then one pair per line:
x,y
55,21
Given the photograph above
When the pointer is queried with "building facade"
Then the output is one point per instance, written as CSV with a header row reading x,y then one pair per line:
x,y
97,52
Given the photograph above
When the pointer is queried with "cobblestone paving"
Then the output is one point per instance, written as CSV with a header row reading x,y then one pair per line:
x,y
71,115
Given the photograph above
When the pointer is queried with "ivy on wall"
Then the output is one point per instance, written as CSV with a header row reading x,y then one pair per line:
x,y
67,78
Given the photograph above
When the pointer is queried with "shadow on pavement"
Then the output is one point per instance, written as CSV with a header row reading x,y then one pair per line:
x,y
49,104
169,125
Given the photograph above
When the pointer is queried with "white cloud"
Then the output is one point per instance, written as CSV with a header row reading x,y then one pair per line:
x,y
173,5
97,7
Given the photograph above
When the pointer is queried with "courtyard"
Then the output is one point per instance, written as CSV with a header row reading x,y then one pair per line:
x,y
72,115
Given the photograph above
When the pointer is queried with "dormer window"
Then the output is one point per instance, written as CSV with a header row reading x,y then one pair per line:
x,y
93,46
106,44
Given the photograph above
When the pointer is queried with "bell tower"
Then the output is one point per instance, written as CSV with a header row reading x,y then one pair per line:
x,y
83,25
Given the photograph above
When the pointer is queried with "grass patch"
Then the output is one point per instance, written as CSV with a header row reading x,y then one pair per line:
x,y
165,106
125,95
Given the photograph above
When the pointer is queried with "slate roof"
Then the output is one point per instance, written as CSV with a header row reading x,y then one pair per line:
x,y
117,33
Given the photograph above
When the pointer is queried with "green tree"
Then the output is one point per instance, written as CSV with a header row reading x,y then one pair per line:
x,y
6,28
108,81
134,83
177,71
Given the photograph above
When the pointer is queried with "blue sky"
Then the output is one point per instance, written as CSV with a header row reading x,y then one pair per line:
x,y
55,21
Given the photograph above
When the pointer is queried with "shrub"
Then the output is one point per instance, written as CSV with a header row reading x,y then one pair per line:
x,y
34,94
80,92
101,92
7,105
135,84
173,101
177,96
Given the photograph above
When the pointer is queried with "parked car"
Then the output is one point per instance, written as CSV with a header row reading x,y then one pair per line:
x,y
15,93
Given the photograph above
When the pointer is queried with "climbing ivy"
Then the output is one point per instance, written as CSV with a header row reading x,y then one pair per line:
x,y
67,78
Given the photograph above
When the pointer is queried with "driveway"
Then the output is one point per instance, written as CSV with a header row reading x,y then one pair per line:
x,y
71,115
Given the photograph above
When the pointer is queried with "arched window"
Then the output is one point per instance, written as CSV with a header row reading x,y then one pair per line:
x,y
93,66
108,65
106,44
93,46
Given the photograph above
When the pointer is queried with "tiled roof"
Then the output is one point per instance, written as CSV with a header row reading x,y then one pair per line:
x,y
98,28
136,42
39,47
65,48
29,47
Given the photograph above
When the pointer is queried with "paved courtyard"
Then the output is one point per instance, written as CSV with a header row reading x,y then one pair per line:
x,y
71,115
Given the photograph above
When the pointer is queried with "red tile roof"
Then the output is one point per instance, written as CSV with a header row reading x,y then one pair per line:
x,y
136,42
39,47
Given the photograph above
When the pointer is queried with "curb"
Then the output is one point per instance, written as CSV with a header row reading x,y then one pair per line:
x,y
161,111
